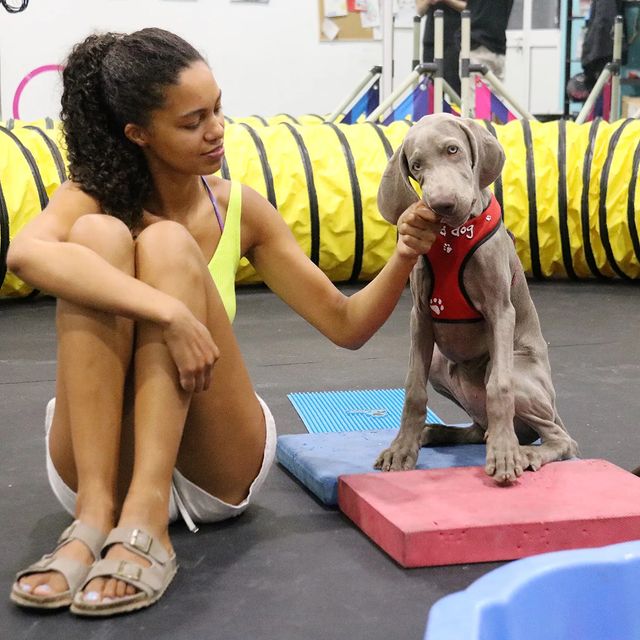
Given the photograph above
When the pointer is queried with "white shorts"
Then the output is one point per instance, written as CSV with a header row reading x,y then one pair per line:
x,y
187,499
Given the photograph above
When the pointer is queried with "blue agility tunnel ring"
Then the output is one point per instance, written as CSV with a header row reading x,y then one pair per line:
x,y
587,594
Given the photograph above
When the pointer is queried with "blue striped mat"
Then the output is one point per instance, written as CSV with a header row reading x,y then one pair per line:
x,y
357,410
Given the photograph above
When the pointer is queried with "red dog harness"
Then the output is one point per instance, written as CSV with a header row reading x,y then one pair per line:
x,y
449,254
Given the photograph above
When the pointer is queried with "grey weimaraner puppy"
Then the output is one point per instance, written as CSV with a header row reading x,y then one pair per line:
x,y
475,334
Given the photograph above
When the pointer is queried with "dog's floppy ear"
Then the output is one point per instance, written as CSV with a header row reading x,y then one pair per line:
x,y
395,192
488,156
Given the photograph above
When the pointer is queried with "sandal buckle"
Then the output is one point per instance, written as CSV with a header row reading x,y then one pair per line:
x,y
129,570
143,545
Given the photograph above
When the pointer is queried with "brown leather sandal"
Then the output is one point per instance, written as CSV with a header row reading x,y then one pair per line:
x,y
73,571
151,582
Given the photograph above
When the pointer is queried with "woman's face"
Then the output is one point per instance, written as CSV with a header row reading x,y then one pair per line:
x,y
187,133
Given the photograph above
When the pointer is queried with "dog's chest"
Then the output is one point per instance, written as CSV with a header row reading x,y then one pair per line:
x,y
445,263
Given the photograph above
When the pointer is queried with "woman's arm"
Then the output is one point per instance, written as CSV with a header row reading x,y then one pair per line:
x,y
458,5
349,321
41,256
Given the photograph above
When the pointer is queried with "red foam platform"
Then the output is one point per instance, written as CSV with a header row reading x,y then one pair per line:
x,y
459,515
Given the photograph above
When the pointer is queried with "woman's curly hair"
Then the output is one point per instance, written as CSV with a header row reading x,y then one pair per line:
x,y
110,80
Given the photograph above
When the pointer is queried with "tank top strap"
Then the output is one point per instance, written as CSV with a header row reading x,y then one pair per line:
x,y
214,202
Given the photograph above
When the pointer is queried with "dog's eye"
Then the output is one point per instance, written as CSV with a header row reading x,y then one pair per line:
x,y
415,166
452,149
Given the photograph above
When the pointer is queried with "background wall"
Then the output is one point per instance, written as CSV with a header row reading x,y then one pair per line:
x,y
267,57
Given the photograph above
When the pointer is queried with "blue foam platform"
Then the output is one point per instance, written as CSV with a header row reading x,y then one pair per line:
x,y
318,459
357,410
587,594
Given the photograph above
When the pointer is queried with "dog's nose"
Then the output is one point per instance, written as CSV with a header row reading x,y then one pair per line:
x,y
442,206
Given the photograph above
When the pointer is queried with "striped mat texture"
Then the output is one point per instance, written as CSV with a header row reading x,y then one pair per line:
x,y
356,410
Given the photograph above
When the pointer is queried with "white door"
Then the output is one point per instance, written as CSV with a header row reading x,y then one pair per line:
x,y
533,68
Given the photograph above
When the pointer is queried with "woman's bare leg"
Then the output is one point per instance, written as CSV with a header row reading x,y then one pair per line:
x,y
94,350
224,439
221,447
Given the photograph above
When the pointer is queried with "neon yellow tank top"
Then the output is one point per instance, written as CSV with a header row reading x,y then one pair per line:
x,y
224,264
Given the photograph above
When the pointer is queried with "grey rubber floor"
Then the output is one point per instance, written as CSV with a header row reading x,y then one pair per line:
x,y
290,568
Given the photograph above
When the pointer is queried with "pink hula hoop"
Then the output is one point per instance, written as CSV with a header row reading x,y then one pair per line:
x,y
23,83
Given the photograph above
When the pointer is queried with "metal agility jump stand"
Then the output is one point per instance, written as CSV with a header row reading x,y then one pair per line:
x,y
440,85
467,69
610,71
372,76
435,68
467,72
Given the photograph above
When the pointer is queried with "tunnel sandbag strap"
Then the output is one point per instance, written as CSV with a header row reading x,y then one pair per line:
x,y
602,209
4,237
358,248
632,208
33,166
497,185
584,209
264,162
53,149
515,204
285,118
224,169
263,121
534,244
563,225
388,149
314,218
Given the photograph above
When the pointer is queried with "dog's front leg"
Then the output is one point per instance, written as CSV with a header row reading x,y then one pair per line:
x,y
504,459
402,454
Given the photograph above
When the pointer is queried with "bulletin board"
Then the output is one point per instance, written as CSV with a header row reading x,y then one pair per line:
x,y
350,27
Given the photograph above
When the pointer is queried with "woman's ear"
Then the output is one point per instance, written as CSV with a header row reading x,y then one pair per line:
x,y
136,134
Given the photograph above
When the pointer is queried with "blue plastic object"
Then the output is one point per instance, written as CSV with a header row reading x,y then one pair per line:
x,y
356,410
583,594
318,459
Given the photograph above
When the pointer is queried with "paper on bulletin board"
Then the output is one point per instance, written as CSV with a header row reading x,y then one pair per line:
x,y
335,8
349,26
330,29
370,19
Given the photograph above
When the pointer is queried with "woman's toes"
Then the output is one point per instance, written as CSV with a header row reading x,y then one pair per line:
x,y
121,588
109,590
91,596
130,590
43,590
93,591
26,585
43,584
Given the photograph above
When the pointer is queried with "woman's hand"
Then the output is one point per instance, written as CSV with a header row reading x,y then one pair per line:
x,y
418,227
192,349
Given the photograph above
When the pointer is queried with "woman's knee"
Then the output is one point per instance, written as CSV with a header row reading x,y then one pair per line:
x,y
107,236
168,249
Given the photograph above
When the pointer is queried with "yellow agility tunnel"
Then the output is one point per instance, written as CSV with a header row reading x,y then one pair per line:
x,y
569,192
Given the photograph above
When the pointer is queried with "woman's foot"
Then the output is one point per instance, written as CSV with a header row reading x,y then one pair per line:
x,y
134,573
51,582
109,589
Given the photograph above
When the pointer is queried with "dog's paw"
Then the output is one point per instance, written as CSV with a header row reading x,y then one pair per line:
x,y
436,305
397,458
505,461
533,459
